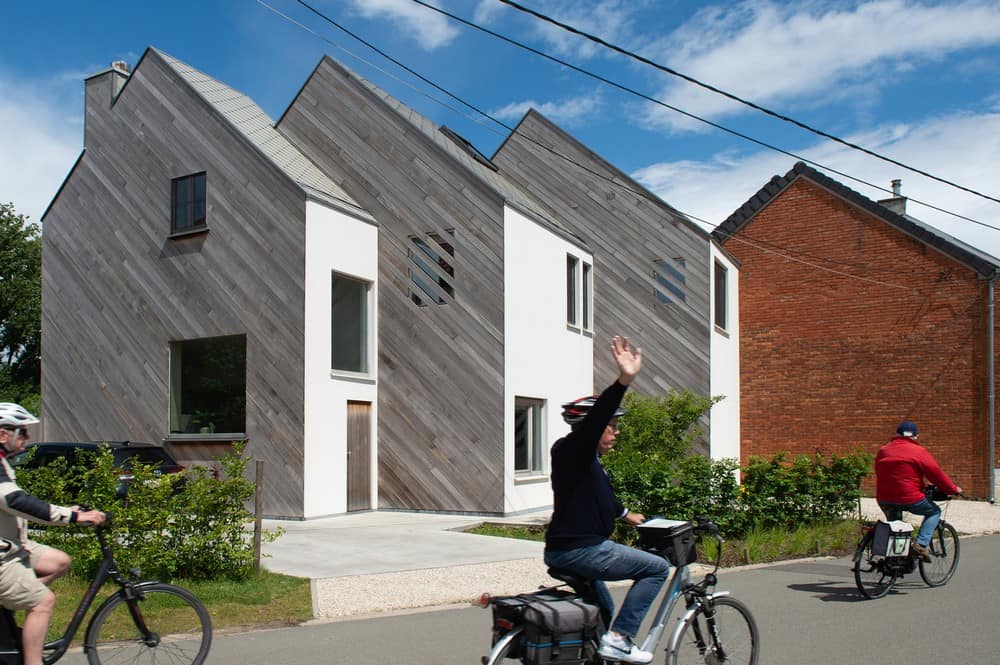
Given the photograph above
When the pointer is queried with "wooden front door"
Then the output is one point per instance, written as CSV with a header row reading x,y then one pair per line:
x,y
359,456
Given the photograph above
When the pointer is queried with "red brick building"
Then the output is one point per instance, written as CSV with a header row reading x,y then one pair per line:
x,y
855,316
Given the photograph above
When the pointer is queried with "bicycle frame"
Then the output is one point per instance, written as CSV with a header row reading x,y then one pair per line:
x,y
56,649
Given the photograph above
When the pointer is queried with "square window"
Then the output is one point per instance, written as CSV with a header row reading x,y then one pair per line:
x,y
349,324
431,269
529,445
208,385
188,203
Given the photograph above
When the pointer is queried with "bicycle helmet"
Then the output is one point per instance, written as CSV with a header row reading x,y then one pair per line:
x,y
575,411
907,428
15,415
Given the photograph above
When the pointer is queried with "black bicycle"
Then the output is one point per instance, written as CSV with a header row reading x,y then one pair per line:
x,y
712,628
876,570
143,622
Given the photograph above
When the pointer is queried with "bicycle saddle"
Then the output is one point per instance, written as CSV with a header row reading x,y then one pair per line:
x,y
569,578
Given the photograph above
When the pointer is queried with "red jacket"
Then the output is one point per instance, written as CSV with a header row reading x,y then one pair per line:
x,y
901,468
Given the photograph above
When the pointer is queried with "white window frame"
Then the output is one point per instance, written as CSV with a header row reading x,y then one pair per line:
x,y
364,337
534,410
579,294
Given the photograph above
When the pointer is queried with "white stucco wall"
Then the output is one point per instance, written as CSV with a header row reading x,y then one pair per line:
x,y
335,242
543,358
724,439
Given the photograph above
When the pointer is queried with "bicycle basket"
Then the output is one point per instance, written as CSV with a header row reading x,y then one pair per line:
x,y
673,539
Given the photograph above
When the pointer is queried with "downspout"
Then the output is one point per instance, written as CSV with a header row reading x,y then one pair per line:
x,y
990,313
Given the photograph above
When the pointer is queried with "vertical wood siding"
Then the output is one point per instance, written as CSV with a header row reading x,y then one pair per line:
x,y
440,368
627,231
116,290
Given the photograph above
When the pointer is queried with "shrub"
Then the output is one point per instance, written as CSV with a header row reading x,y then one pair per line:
x,y
195,531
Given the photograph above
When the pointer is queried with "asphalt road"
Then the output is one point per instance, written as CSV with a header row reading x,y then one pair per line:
x,y
809,613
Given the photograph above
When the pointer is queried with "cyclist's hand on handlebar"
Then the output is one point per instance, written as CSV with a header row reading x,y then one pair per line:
x,y
91,517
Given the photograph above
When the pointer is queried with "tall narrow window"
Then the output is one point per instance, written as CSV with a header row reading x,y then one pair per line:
x,y
431,269
529,448
588,296
188,196
208,385
572,277
721,297
349,324
671,279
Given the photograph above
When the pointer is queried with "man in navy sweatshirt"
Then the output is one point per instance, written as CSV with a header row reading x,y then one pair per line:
x,y
585,509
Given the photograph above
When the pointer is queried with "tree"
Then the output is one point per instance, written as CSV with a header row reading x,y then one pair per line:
x,y
20,307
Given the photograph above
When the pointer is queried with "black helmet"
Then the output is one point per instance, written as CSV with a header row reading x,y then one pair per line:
x,y
577,410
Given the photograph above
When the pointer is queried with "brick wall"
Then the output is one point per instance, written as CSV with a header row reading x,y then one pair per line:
x,y
848,326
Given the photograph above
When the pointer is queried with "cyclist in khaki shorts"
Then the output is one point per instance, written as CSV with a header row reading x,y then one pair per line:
x,y
27,567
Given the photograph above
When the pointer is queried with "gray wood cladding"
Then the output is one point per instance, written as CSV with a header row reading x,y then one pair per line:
x,y
440,367
116,290
628,229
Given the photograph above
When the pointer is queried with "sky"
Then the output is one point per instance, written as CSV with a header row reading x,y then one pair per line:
x,y
917,82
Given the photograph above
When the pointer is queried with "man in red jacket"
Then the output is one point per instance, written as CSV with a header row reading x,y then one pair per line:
x,y
902,468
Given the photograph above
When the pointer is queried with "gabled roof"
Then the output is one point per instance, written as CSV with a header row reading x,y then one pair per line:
x,y
977,260
462,152
251,121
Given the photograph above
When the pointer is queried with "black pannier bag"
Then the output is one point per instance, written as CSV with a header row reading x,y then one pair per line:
x,y
508,612
673,539
557,630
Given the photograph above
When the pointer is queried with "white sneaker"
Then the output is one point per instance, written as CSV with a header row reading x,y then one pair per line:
x,y
620,649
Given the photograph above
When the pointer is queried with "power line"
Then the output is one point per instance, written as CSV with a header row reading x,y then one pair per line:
x,y
729,95
710,123
771,248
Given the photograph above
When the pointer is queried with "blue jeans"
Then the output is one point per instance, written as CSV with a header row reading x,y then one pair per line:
x,y
930,510
612,561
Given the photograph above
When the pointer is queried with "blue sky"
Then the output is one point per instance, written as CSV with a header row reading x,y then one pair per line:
x,y
916,81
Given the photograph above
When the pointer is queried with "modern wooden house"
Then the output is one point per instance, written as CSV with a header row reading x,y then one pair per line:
x,y
855,316
386,316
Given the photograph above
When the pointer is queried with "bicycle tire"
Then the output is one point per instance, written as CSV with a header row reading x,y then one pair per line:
x,y
180,630
869,572
737,632
944,550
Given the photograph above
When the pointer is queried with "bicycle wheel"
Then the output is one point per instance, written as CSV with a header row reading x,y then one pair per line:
x,y
870,573
179,630
944,556
735,639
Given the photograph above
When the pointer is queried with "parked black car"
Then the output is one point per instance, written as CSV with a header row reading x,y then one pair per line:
x,y
124,453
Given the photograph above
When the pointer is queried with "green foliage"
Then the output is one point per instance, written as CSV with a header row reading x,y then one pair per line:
x,y
20,308
192,526
654,473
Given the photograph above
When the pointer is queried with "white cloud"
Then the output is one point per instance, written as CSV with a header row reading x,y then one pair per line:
x,y
40,137
430,29
611,20
965,147
801,53
570,112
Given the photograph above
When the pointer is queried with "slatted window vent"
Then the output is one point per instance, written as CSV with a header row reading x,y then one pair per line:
x,y
432,272
670,280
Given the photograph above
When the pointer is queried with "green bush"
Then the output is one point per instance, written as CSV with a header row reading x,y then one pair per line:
x,y
194,530
654,473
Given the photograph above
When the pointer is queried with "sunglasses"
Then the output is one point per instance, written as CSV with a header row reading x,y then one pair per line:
x,y
23,431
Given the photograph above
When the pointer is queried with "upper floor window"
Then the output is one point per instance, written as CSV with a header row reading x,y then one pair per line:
x,y
671,280
208,385
349,326
529,437
721,297
188,195
431,268
579,293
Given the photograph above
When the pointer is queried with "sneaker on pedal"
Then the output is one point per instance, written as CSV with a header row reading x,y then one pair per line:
x,y
921,551
619,648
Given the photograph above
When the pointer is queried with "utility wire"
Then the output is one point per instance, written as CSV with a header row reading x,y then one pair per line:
x,y
774,249
729,95
641,95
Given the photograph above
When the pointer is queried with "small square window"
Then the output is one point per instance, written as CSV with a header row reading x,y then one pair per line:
x,y
188,203
529,445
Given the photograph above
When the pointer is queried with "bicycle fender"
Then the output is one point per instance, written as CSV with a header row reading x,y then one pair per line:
x,y
502,644
675,634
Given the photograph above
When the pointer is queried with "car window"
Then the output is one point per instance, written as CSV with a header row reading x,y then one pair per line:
x,y
151,456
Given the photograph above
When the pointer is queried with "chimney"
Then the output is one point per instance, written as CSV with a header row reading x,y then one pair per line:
x,y
102,90
897,203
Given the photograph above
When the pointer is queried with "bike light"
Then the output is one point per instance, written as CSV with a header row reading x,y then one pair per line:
x,y
484,600
505,624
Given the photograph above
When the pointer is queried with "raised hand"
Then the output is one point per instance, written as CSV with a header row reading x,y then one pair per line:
x,y
628,359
